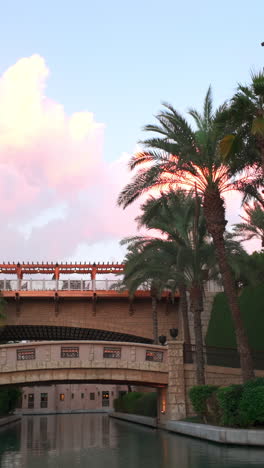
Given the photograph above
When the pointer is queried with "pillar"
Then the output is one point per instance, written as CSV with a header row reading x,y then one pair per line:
x,y
172,400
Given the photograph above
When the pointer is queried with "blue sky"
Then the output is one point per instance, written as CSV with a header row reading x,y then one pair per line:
x,y
119,60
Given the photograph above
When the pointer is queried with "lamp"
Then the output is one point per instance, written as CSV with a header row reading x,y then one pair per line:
x,y
174,333
162,339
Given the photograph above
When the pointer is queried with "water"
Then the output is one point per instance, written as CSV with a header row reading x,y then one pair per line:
x,y
96,441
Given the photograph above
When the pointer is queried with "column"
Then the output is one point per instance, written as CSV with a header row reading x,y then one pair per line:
x,y
176,396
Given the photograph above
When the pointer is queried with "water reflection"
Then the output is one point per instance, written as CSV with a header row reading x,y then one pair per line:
x,y
94,440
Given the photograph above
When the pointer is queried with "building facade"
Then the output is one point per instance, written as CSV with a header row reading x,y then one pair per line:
x,y
69,397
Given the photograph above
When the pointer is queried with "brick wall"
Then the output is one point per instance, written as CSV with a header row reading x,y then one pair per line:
x,y
111,314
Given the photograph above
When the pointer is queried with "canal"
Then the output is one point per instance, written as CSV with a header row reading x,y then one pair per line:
x,y
96,441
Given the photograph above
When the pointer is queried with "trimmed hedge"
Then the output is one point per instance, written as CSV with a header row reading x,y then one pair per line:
x,y
229,399
233,406
220,331
251,407
9,398
199,396
141,403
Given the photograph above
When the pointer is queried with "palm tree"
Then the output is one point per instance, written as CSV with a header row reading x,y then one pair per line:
x,y
246,112
185,157
144,267
184,251
253,225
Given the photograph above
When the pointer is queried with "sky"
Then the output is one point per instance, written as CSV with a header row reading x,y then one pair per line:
x,y
78,81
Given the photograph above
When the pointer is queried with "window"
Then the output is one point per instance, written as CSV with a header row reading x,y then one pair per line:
x,y
105,398
112,352
70,352
43,400
31,400
155,356
82,395
62,397
98,393
112,393
25,396
72,396
25,354
92,396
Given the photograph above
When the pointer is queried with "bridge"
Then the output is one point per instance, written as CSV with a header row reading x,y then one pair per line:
x,y
77,307
83,329
78,361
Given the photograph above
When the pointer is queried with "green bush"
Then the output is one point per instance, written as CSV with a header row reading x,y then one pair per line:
x,y
137,403
257,382
8,399
199,395
229,400
251,406
220,332
146,405
4,401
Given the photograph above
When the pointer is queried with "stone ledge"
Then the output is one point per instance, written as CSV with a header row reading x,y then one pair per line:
x,y
135,418
222,435
9,419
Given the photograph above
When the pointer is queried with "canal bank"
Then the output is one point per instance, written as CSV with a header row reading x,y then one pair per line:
x,y
220,435
5,421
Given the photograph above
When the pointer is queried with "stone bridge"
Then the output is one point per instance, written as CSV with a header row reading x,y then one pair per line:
x,y
78,361
160,367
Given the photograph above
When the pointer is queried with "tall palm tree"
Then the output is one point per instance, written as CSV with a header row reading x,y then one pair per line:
x,y
253,225
184,250
181,156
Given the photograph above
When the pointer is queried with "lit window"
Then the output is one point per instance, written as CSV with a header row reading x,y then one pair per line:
x,y
105,398
62,397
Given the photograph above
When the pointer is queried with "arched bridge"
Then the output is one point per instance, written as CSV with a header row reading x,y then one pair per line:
x,y
77,361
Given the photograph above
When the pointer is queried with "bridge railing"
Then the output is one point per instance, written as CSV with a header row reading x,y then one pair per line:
x,y
76,285
57,285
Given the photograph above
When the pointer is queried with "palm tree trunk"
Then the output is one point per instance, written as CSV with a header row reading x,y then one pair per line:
x,y
215,216
197,307
154,303
184,313
260,144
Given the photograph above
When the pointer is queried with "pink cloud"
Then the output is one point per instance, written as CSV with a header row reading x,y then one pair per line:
x,y
48,158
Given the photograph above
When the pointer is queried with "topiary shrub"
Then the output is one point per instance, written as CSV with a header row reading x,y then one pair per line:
x,y
229,400
251,406
199,395
4,401
9,398
146,405
137,403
